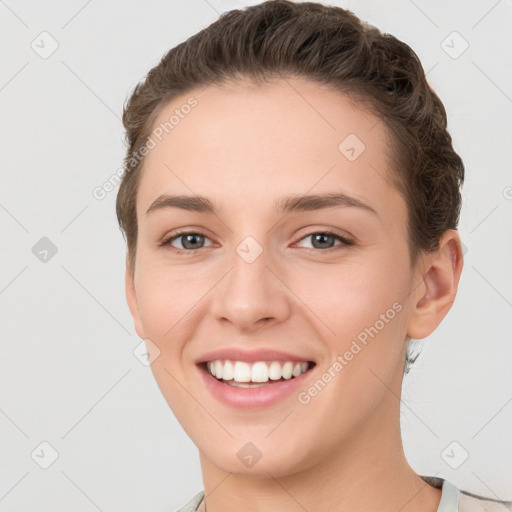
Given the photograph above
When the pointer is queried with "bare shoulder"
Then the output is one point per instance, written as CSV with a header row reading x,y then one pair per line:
x,y
473,503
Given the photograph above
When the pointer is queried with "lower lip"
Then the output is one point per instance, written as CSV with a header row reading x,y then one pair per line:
x,y
252,397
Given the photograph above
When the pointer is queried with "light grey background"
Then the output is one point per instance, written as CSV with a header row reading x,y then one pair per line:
x,y
68,374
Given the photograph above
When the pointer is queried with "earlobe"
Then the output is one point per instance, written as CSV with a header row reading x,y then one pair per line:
x,y
435,297
131,299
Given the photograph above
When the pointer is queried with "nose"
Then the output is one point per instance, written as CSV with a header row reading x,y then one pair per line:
x,y
251,296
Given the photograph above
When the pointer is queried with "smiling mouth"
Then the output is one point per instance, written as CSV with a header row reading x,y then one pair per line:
x,y
242,374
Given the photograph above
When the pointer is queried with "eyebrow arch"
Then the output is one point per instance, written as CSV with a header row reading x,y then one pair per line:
x,y
293,203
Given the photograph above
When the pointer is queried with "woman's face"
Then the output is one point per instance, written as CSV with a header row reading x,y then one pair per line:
x,y
259,276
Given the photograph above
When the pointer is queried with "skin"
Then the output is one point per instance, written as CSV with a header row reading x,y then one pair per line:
x,y
245,147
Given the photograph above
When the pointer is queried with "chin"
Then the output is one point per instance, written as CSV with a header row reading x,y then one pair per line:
x,y
246,459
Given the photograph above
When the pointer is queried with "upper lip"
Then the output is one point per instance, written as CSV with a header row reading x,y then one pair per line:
x,y
250,356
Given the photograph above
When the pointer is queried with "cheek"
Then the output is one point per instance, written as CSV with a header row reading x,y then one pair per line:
x,y
170,298
162,300
372,323
365,308
349,297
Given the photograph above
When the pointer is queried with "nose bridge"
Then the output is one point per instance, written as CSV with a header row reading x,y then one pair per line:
x,y
251,293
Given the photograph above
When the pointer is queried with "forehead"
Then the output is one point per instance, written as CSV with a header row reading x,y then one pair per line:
x,y
245,142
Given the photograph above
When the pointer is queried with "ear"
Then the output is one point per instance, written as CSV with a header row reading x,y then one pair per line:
x,y
439,278
131,299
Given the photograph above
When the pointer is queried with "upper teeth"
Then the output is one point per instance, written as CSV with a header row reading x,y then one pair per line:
x,y
260,371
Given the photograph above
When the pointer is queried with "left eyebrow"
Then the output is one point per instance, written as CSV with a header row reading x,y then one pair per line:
x,y
293,203
318,201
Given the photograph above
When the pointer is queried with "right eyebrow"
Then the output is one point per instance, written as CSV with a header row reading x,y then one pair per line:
x,y
190,203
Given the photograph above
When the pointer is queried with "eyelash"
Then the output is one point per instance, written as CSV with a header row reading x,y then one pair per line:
x,y
344,242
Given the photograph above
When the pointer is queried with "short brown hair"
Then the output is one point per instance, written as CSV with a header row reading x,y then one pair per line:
x,y
331,46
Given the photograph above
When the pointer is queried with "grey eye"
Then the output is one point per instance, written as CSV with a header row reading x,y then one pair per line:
x,y
322,240
192,240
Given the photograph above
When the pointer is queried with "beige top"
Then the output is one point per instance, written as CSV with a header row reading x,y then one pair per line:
x,y
452,499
